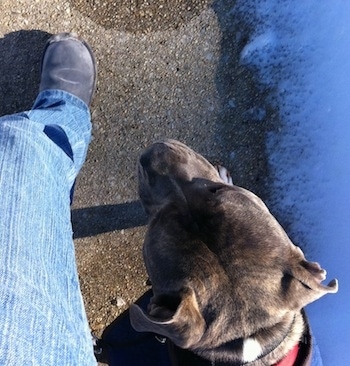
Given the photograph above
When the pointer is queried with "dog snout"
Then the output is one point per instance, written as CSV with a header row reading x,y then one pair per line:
x,y
178,161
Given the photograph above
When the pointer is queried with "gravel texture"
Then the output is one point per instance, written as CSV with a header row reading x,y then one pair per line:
x,y
165,69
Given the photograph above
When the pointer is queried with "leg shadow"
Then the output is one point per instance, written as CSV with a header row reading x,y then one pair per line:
x,y
91,221
21,53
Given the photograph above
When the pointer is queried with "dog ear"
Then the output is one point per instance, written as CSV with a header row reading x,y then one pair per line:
x,y
303,282
183,326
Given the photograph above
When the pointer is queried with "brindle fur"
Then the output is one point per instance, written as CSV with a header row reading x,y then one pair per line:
x,y
222,268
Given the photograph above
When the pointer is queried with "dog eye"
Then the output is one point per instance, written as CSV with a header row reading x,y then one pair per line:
x,y
286,282
215,189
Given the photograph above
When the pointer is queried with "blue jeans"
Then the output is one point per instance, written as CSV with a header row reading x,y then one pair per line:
x,y
42,315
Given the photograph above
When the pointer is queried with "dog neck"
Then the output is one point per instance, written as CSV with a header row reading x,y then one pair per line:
x,y
277,344
282,345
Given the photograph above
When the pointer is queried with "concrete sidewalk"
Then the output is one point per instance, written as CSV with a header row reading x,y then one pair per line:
x,y
164,71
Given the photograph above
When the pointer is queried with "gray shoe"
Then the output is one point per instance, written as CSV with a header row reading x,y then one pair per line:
x,y
68,64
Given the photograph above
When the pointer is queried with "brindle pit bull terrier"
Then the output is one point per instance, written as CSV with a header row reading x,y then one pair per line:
x,y
229,285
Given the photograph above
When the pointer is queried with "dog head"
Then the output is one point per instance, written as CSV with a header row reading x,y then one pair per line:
x,y
221,266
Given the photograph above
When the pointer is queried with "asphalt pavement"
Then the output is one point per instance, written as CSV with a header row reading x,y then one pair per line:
x,y
166,69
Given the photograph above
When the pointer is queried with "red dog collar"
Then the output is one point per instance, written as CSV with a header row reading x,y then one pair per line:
x,y
291,357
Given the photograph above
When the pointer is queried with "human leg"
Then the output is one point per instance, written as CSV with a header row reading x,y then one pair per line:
x,y
42,316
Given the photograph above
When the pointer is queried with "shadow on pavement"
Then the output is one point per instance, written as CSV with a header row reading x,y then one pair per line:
x,y
246,116
92,221
21,53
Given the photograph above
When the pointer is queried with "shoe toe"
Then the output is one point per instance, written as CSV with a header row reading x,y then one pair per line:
x,y
68,64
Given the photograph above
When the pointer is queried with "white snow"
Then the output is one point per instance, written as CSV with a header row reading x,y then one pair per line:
x,y
301,49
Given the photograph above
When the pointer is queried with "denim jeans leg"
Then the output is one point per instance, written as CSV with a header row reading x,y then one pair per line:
x,y
42,316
